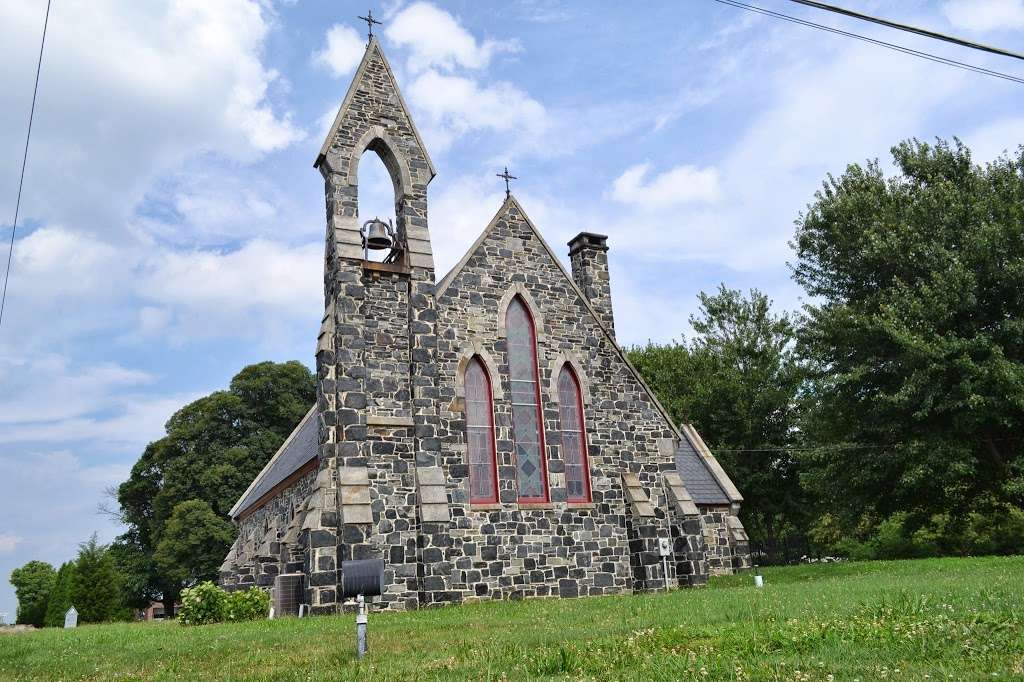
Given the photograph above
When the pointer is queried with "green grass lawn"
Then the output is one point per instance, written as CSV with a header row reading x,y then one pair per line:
x,y
912,620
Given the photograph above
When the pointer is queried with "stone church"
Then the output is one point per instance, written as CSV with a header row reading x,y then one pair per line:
x,y
483,432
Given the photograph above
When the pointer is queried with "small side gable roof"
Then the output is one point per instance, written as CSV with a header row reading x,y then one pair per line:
x,y
373,51
711,464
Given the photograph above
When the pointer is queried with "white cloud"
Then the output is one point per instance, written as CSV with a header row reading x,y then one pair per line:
x,y
436,40
47,387
985,15
455,105
675,187
129,91
459,211
343,51
8,541
261,285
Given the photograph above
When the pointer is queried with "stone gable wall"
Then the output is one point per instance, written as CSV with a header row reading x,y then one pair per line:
x,y
561,549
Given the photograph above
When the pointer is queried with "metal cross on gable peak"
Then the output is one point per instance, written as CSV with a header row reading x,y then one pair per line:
x,y
370,21
506,177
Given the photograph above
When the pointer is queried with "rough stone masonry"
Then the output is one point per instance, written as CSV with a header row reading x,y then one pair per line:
x,y
483,434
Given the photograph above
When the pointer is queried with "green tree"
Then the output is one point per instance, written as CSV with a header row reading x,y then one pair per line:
x,y
135,566
212,450
96,585
737,381
914,337
60,597
33,584
193,543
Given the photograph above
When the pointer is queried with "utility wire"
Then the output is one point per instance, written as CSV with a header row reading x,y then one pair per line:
x,y
880,43
24,161
910,29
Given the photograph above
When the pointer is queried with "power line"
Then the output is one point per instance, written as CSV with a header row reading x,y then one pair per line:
x,y
24,161
880,43
910,29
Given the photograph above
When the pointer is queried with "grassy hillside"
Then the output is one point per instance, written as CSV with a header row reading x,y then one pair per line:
x,y
932,619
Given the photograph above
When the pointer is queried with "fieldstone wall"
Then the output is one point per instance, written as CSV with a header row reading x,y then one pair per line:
x,y
259,554
726,550
588,254
513,550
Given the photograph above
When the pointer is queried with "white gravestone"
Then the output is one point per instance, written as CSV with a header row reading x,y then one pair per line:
x,y
71,618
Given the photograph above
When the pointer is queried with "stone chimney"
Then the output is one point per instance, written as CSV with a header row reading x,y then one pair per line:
x,y
588,253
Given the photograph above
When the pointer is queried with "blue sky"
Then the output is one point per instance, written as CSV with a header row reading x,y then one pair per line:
x,y
172,221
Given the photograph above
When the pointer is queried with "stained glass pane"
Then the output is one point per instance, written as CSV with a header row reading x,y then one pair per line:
x,y
526,420
574,445
480,434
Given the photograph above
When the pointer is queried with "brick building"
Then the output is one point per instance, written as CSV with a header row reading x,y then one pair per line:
x,y
482,433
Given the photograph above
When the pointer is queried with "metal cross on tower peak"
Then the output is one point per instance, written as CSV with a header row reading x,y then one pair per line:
x,y
370,21
506,177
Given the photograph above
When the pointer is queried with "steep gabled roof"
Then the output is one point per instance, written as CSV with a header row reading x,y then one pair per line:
x,y
298,449
373,53
688,435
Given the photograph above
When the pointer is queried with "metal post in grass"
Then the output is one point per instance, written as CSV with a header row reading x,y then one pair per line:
x,y
360,579
758,578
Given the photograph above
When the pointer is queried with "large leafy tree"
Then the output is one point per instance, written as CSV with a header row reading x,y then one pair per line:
x,y
193,543
212,450
737,382
915,336
33,584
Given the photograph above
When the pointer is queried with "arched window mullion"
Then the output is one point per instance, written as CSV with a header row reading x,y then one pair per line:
x,y
527,416
480,447
574,436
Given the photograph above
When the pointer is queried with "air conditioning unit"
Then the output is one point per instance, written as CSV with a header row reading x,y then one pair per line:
x,y
289,593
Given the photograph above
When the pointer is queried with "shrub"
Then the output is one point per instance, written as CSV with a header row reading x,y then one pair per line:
x,y
204,603
252,604
207,603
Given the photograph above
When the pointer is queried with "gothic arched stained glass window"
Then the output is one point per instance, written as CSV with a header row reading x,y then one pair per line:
x,y
527,429
574,437
483,478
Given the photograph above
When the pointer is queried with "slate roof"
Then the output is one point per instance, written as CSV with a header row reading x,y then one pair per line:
x,y
300,447
697,478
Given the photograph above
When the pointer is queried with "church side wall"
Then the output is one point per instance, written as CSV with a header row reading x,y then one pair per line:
x,y
272,517
558,549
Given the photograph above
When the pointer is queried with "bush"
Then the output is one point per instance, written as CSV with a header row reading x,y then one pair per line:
x,y
207,603
204,603
252,604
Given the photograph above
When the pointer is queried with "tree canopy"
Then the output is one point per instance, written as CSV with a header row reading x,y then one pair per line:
x,y
914,337
736,381
33,583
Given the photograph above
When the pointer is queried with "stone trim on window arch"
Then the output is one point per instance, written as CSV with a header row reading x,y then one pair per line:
x,y
376,139
475,348
520,290
555,368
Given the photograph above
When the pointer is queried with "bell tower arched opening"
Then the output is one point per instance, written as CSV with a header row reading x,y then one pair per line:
x,y
378,197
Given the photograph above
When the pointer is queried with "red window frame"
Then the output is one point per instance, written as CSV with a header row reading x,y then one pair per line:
x,y
581,427
492,449
542,448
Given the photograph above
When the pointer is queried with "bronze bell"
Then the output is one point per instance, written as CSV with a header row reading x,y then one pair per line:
x,y
378,234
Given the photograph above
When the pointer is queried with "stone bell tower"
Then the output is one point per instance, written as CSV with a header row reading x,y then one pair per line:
x,y
376,373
